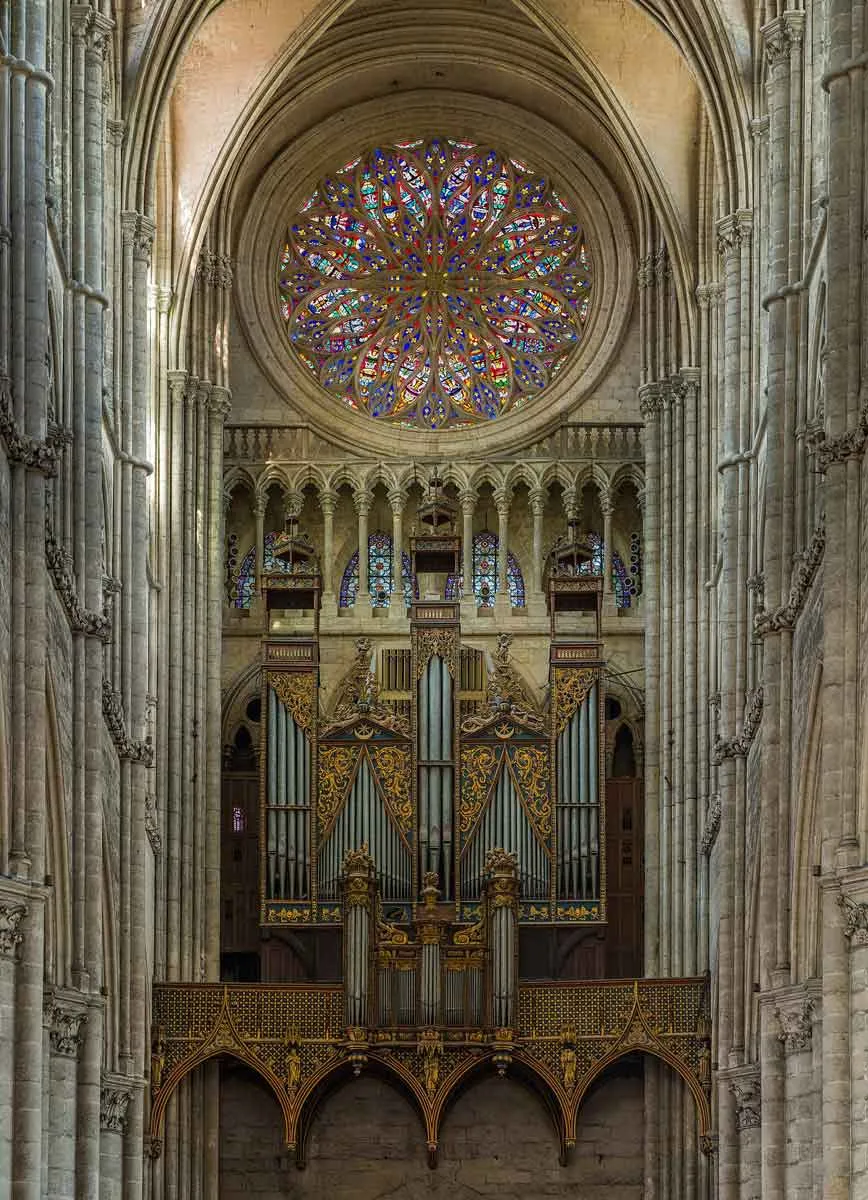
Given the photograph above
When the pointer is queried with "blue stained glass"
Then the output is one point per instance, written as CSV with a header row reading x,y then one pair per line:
x,y
379,574
485,555
241,591
622,584
425,241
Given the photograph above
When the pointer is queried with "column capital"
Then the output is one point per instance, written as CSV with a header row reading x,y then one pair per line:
x,y
219,402
177,381
795,1017
468,500
293,503
537,500
328,500
733,232
260,504
502,502
652,399
114,1099
744,1083
89,25
855,914
138,232
397,501
11,916
362,499
65,1022
781,38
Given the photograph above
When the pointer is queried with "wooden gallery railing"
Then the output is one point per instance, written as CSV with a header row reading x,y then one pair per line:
x,y
430,1007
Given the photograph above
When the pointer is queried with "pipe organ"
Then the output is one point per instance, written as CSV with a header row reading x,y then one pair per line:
x,y
431,775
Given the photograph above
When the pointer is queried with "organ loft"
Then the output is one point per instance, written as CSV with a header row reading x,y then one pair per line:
x,y
432,806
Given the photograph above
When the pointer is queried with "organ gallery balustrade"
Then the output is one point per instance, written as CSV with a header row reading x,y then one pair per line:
x,y
429,1006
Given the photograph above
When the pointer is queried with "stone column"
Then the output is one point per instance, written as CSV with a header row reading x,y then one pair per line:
x,y
744,1084
363,597
114,1102
794,1014
397,607
13,910
64,1017
327,503
606,510
259,555
502,603
468,599
854,911
536,599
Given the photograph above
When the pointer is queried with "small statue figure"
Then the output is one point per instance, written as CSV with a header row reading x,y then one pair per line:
x,y
568,1058
158,1058
293,1067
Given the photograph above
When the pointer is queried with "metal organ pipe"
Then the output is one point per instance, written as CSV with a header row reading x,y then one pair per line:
x,y
287,823
578,818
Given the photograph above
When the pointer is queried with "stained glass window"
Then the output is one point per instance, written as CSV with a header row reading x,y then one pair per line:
x,y
623,583
485,560
241,588
379,574
435,283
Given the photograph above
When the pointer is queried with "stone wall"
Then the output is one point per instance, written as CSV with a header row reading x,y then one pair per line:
x,y
367,1143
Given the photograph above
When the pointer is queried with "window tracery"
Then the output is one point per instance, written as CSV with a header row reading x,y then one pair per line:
x,y
485,555
243,582
435,283
379,574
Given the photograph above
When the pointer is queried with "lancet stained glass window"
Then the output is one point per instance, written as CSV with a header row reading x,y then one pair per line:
x,y
435,283
379,574
622,582
241,592
485,557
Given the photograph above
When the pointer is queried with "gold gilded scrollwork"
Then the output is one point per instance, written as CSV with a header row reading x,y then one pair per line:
x,y
478,769
531,767
392,767
442,642
296,690
336,767
570,688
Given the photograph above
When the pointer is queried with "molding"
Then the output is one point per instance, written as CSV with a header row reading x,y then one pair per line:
x,y
713,812
805,568
36,455
739,746
81,619
115,719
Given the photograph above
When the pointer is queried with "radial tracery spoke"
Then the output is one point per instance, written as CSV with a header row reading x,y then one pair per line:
x,y
434,283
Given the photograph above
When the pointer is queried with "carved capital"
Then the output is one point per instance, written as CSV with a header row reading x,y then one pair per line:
x,y
781,38
65,1027
362,500
328,501
114,1100
795,1020
748,1106
652,399
219,402
11,916
855,920
734,233
138,233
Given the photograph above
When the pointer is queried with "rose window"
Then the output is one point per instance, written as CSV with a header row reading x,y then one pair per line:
x,y
435,283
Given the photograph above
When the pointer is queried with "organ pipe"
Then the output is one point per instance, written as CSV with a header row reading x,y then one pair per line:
x,y
287,825
435,721
578,810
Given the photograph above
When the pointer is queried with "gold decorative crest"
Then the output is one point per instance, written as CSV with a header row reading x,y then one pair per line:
x,y
296,690
478,771
440,642
392,768
336,767
531,769
569,691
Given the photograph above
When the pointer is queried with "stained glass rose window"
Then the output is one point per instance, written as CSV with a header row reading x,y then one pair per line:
x,y
435,283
